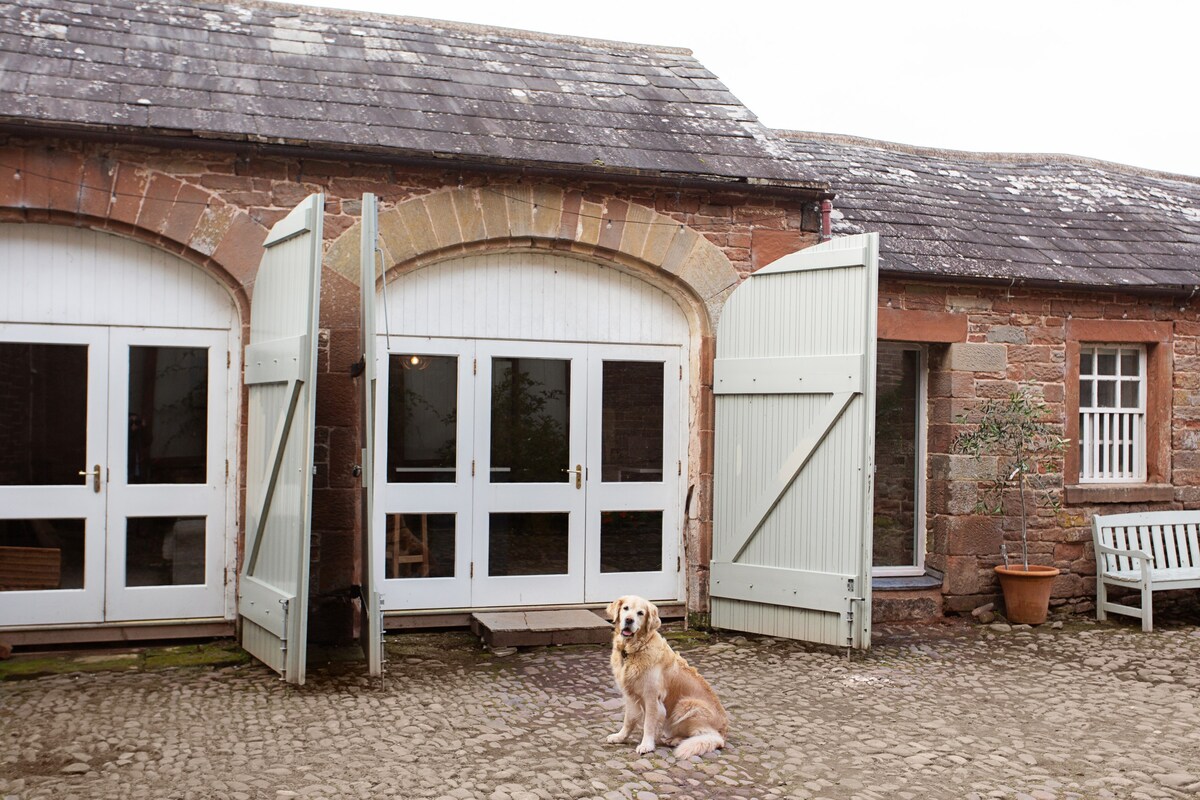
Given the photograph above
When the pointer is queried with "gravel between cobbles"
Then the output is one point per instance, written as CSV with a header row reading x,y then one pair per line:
x,y
947,711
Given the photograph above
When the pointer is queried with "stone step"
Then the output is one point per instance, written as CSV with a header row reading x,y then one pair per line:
x,y
527,628
906,605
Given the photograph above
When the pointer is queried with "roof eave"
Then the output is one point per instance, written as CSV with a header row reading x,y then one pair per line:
x,y
807,190
1158,289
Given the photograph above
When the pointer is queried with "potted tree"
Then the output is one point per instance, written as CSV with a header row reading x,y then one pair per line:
x,y
1014,430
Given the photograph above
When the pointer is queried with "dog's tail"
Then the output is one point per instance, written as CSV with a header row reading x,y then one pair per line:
x,y
698,745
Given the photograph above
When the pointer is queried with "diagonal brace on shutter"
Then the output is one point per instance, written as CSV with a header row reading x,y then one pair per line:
x,y
275,361
770,496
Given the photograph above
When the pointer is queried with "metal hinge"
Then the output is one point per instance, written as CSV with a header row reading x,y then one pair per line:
x,y
472,569
678,566
681,372
227,469
474,366
678,467
228,360
472,468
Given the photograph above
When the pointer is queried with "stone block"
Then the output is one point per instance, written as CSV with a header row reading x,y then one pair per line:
x,y
443,218
976,357
906,606
1007,334
973,535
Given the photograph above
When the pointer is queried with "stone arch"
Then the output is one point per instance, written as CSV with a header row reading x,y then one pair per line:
x,y
634,238
136,202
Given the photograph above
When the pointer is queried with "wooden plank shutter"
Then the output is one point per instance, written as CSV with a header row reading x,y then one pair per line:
x,y
794,382
281,363
371,624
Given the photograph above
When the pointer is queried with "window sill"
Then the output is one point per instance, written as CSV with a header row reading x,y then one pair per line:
x,y
905,583
1084,494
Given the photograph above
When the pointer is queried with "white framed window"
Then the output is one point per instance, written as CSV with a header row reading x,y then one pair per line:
x,y
1112,413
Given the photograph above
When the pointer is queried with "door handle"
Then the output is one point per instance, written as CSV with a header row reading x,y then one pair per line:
x,y
578,475
95,473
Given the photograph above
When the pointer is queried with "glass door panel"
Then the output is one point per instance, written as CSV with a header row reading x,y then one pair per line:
x,y
53,407
423,495
166,510
633,521
529,484
899,519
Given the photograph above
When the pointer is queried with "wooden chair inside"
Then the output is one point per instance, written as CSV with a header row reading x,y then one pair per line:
x,y
405,548
30,568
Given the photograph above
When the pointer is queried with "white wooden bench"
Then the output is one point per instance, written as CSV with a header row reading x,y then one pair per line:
x,y
1150,551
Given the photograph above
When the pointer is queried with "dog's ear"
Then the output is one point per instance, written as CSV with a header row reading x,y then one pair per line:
x,y
614,608
653,623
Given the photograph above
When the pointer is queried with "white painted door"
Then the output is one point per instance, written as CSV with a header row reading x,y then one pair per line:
x,y
530,454
422,514
53,452
167,474
794,384
634,466
527,473
281,363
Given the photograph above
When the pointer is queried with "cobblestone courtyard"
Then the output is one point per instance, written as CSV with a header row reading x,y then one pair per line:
x,y
950,711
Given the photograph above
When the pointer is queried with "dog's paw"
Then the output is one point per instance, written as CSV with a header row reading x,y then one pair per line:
x,y
645,747
617,738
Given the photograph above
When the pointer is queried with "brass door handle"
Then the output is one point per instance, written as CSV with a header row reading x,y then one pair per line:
x,y
95,473
578,475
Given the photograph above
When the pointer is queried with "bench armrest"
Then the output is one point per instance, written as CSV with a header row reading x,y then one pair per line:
x,y
1146,560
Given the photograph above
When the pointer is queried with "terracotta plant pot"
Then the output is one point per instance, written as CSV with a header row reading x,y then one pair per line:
x,y
1026,593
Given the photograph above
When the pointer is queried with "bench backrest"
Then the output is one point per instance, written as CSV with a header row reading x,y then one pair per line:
x,y
1171,537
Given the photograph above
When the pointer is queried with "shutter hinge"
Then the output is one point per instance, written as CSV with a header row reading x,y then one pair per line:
x,y
472,569
678,467
228,359
681,372
227,469
472,468
474,366
677,564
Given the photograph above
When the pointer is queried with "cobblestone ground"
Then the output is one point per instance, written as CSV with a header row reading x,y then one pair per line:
x,y
950,711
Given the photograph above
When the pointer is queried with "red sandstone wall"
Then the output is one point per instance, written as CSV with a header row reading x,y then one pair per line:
x,y
1030,329
214,208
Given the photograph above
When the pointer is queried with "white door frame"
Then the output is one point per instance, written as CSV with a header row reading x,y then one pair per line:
x,y
206,500
85,500
921,477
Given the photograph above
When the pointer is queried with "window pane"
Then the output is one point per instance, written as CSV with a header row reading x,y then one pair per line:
x,y
1129,394
1106,394
41,554
631,541
1106,362
896,467
531,400
527,544
419,546
168,415
1087,360
1085,394
43,414
164,551
422,418
632,436
1129,362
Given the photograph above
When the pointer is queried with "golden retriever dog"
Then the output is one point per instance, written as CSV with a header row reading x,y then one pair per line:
x,y
674,704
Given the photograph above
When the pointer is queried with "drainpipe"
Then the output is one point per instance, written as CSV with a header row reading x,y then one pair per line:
x,y
826,223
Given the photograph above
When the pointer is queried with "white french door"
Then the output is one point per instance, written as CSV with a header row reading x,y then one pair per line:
x,y
166,474
53,449
527,473
113,473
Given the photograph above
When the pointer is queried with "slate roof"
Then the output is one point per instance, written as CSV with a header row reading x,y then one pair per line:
x,y
1002,216
272,73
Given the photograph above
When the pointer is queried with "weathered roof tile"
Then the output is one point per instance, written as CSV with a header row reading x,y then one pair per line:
x,y
344,79
1008,217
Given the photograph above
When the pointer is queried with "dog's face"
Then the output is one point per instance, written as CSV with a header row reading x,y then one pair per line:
x,y
631,614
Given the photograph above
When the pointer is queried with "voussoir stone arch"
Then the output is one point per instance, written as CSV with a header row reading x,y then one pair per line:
x,y
453,222
115,195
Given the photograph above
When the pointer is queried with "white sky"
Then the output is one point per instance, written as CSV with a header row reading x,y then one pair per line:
x,y
1118,81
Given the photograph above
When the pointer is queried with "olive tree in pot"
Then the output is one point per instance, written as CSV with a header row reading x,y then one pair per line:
x,y
1015,431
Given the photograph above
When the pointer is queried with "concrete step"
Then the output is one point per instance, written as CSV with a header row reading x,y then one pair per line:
x,y
525,628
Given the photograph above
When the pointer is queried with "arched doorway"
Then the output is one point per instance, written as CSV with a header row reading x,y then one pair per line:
x,y
117,431
533,433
